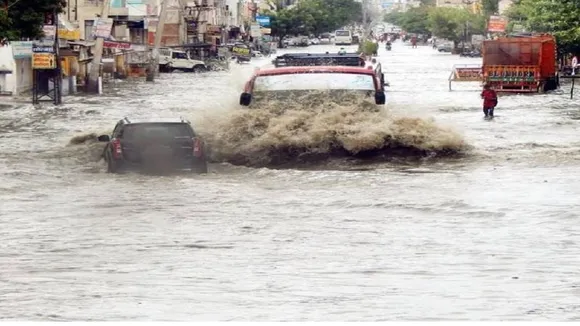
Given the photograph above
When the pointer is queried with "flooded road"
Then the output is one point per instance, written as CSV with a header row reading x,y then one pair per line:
x,y
489,236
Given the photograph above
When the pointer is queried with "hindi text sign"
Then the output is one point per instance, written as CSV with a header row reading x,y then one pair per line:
x,y
43,61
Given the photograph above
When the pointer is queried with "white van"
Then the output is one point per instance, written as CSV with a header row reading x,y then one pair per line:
x,y
170,60
343,37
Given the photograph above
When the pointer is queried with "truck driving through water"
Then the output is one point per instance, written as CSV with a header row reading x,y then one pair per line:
x,y
520,64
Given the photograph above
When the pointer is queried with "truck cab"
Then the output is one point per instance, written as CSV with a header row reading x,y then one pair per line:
x,y
170,59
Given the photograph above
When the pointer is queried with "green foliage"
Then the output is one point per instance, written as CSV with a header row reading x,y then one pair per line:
x,y
314,17
453,23
443,22
413,20
559,18
490,7
368,48
26,17
395,17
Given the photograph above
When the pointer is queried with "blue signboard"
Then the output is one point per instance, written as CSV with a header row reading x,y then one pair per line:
x,y
264,21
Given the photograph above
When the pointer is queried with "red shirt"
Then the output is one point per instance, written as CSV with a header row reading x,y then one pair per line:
x,y
489,98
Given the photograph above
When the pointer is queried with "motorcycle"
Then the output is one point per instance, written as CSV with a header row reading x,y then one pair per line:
x,y
388,47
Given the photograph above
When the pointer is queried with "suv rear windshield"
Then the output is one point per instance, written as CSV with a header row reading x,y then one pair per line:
x,y
157,131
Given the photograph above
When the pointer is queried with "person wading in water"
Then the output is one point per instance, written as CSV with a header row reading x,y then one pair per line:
x,y
489,97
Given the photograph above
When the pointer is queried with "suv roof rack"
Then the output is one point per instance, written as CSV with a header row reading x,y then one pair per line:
x,y
318,59
126,120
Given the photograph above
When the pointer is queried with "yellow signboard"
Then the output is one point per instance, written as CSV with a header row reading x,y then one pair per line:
x,y
70,35
241,51
43,61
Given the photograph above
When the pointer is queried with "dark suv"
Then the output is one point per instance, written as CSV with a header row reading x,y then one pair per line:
x,y
165,144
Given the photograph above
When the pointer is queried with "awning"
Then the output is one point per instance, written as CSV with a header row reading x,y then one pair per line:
x,y
5,70
82,43
193,45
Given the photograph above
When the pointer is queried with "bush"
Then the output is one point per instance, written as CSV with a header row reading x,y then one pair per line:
x,y
368,48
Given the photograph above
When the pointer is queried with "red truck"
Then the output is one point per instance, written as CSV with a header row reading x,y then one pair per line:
x,y
520,64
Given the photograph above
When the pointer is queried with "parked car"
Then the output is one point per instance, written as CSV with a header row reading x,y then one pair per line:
x,y
445,47
170,59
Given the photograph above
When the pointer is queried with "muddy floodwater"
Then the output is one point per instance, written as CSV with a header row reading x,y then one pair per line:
x,y
491,235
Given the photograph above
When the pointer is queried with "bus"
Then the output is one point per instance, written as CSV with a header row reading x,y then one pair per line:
x,y
343,37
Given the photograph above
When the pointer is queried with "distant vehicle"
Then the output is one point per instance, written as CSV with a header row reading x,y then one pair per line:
x,y
471,54
291,81
445,47
314,41
170,59
171,143
343,37
318,59
327,59
241,52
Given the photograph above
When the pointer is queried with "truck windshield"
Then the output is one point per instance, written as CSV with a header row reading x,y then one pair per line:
x,y
315,81
156,131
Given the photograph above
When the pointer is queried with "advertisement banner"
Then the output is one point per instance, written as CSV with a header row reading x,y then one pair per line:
x,y
468,74
263,21
102,28
43,61
49,32
21,50
42,48
117,45
497,24
71,35
255,30
241,51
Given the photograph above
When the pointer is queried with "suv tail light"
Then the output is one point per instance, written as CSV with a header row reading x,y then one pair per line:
x,y
117,151
197,147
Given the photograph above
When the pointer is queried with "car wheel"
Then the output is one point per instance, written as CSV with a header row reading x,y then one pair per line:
x,y
198,69
199,167
112,165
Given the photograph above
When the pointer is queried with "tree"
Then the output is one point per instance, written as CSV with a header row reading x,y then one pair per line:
x,y
490,7
395,17
25,18
559,18
314,17
455,24
415,20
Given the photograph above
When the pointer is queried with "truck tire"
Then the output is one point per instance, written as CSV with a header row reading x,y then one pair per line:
x,y
198,68
199,167
112,165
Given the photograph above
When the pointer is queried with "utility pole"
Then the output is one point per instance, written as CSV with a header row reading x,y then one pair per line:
x,y
58,73
93,84
365,18
154,61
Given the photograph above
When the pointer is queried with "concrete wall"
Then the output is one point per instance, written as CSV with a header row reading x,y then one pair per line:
x,y
20,80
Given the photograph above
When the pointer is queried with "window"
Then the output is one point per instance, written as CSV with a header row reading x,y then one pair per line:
x,y
342,33
179,55
89,29
315,81
157,131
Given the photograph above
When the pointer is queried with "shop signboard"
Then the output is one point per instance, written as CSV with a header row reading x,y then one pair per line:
x,y
21,50
263,21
